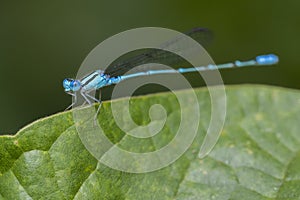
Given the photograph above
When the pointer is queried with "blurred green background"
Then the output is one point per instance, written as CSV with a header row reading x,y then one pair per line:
x,y
42,42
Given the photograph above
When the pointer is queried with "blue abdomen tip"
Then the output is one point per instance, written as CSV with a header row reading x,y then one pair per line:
x,y
269,59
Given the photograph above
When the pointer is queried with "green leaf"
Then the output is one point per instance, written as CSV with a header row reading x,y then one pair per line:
x,y
256,157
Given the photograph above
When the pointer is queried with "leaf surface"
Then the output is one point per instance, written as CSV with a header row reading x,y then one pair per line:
x,y
256,157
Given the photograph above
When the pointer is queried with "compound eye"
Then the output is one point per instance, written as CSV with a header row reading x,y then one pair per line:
x,y
76,85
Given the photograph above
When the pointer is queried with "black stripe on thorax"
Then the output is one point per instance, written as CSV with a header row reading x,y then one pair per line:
x,y
89,78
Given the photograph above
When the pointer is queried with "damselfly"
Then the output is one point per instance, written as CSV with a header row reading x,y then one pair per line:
x,y
114,74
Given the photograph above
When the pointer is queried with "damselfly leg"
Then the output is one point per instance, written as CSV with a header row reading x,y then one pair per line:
x,y
75,100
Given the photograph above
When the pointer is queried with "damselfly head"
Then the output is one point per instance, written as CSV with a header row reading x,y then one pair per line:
x,y
71,85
